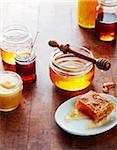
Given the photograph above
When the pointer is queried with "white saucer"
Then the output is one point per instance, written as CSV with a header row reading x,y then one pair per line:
x,y
77,127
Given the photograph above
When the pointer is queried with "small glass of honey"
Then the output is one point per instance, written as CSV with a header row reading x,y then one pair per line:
x,y
69,72
15,37
26,65
10,90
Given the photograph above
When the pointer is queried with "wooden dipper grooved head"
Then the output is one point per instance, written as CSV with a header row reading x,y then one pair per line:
x,y
101,63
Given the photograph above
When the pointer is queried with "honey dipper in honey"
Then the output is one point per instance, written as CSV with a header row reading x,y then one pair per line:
x,y
101,63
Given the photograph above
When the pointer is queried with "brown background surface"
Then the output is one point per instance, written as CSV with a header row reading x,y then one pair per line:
x,y
32,125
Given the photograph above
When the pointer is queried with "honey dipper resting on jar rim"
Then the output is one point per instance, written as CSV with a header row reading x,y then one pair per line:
x,y
101,63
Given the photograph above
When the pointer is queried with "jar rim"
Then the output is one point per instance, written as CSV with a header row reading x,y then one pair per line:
x,y
109,3
8,34
68,70
29,57
19,84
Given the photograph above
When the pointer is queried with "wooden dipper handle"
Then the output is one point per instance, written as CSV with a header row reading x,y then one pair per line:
x,y
67,49
101,63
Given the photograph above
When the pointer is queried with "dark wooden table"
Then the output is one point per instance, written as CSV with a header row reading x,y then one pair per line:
x,y
32,126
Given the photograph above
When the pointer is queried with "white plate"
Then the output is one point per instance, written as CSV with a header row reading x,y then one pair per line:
x,y
78,127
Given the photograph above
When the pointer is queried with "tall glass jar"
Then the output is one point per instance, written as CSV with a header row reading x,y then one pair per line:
x,y
15,37
69,72
106,21
87,13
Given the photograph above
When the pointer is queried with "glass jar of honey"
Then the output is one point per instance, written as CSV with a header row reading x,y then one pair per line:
x,y
15,37
10,90
69,72
26,65
87,13
106,21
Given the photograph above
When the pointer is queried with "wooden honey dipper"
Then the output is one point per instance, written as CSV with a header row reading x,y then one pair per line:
x,y
101,63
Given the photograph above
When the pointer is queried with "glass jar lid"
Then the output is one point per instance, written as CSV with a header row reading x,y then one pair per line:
x,y
14,36
108,2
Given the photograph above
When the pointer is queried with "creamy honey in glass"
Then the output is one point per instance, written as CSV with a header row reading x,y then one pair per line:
x,y
14,38
71,73
10,90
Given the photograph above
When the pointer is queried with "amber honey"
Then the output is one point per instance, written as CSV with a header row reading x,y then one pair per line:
x,y
106,20
8,57
70,73
106,26
87,13
26,66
